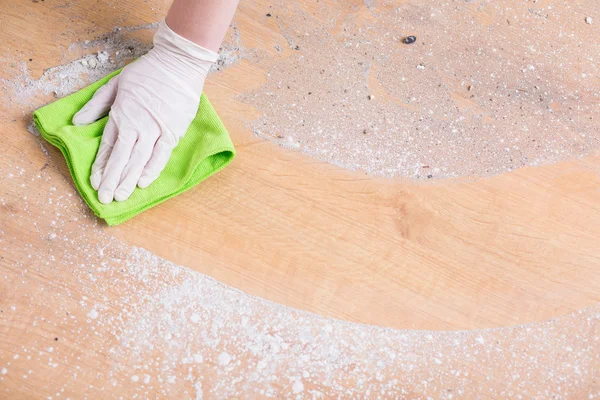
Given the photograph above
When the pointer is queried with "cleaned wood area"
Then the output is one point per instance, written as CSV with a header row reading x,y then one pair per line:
x,y
500,251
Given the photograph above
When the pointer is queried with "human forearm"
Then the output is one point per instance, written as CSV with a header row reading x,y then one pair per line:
x,y
203,22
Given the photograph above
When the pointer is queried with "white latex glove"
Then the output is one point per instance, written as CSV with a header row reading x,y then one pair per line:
x,y
152,103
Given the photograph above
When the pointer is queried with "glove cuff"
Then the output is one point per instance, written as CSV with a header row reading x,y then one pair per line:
x,y
165,37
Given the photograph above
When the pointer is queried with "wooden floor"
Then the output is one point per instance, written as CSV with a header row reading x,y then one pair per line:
x,y
513,249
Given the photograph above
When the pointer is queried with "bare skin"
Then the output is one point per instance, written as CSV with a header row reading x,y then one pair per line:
x,y
203,22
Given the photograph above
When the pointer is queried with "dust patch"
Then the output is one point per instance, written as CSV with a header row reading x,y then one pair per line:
x,y
482,90
116,49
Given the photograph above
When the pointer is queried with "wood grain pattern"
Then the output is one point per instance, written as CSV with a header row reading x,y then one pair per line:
x,y
512,249
485,253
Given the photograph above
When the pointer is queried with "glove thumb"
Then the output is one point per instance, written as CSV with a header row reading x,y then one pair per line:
x,y
99,105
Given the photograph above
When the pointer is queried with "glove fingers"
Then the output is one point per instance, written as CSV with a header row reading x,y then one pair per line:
x,y
109,137
160,156
131,175
119,157
99,104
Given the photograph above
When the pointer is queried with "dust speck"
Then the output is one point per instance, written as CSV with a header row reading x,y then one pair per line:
x,y
224,358
297,387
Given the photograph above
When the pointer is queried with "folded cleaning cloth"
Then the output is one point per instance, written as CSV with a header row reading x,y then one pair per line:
x,y
204,150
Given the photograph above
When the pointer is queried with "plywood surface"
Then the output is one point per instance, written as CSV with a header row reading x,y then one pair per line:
x,y
512,249
487,253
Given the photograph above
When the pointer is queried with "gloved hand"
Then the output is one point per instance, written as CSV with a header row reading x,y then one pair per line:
x,y
152,103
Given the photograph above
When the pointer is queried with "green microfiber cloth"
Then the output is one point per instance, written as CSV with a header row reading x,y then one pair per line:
x,y
205,149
